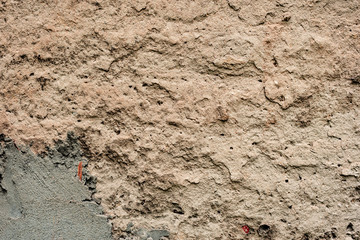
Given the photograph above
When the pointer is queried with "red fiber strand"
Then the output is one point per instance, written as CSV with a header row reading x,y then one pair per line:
x,y
80,171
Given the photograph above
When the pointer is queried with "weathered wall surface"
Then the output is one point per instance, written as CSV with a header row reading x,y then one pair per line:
x,y
198,117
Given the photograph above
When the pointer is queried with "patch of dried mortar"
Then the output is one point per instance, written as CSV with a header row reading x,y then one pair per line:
x,y
41,197
198,117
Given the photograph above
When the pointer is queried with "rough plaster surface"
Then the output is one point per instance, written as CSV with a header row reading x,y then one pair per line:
x,y
41,198
198,117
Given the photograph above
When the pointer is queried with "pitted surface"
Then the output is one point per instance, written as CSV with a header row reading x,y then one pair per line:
x,y
198,117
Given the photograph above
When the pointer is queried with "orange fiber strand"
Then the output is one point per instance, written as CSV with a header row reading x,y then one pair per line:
x,y
80,171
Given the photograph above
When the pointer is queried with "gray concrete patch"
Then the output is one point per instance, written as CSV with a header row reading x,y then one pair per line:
x,y
41,197
133,233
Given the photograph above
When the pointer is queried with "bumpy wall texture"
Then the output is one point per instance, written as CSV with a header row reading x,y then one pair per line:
x,y
197,116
